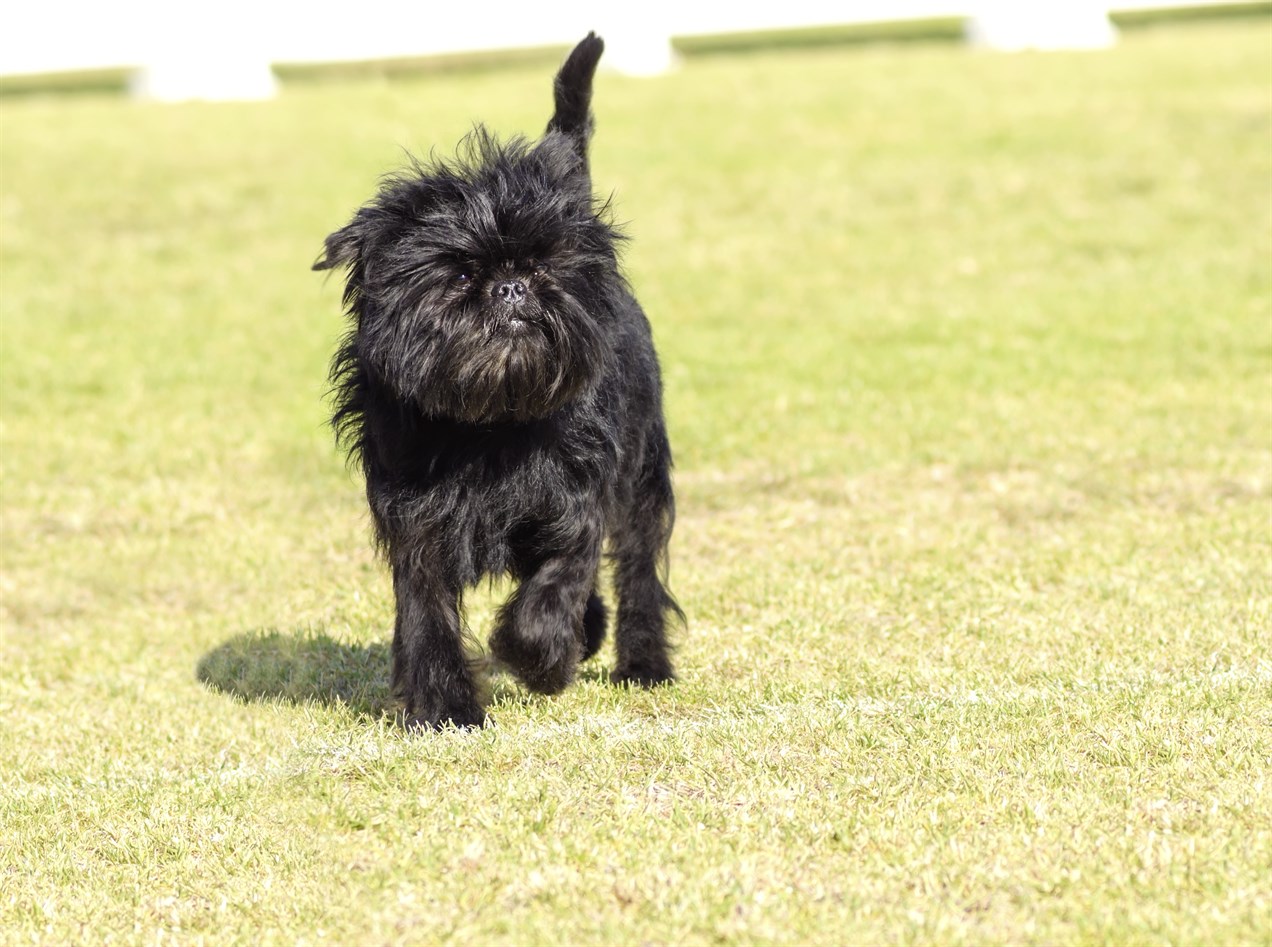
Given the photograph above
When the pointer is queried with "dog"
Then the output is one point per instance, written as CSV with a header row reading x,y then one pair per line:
x,y
500,392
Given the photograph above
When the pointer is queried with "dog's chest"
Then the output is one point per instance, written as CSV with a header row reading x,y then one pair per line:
x,y
492,501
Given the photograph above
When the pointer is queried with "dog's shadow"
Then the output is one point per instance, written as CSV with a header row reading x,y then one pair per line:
x,y
305,666
309,666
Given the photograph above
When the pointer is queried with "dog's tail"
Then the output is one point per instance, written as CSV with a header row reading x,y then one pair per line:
x,y
573,93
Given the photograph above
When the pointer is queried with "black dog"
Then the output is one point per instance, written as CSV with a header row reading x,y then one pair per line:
x,y
500,391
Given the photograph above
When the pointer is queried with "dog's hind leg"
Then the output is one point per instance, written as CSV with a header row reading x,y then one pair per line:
x,y
594,621
431,673
639,549
542,631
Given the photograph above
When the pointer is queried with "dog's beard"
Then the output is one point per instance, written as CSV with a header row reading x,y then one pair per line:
x,y
485,362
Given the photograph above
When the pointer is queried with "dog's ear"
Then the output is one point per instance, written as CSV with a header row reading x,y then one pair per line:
x,y
342,248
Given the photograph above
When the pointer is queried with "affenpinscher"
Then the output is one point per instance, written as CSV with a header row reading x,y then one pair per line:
x,y
500,391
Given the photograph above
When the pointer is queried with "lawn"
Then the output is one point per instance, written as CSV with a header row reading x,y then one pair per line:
x,y
969,375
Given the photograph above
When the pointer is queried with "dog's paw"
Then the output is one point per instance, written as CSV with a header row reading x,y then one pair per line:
x,y
549,679
461,718
653,674
543,673
544,662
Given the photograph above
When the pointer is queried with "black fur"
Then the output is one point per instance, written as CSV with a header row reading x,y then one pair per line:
x,y
500,392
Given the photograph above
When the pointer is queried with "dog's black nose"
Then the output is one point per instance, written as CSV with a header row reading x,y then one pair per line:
x,y
510,291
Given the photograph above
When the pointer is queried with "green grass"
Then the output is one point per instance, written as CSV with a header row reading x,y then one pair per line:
x,y
969,374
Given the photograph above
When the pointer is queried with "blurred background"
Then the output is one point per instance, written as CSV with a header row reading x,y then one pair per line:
x,y
230,50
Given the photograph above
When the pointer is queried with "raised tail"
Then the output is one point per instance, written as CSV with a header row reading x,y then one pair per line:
x,y
573,93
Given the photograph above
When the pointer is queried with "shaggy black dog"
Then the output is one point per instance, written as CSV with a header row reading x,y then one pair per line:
x,y
500,391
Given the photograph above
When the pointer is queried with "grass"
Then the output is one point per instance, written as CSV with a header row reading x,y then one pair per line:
x,y
969,372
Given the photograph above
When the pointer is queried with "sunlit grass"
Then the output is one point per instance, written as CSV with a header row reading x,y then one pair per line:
x,y
969,374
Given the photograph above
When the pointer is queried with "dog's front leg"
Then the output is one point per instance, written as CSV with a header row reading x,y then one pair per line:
x,y
539,633
431,673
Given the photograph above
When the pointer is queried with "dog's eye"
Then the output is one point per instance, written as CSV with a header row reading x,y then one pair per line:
x,y
539,269
462,278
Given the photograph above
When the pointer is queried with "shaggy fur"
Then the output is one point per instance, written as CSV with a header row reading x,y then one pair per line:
x,y
500,392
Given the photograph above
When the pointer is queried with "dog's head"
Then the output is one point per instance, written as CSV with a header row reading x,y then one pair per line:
x,y
482,288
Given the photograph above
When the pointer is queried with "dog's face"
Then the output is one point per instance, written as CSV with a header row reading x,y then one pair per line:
x,y
482,290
